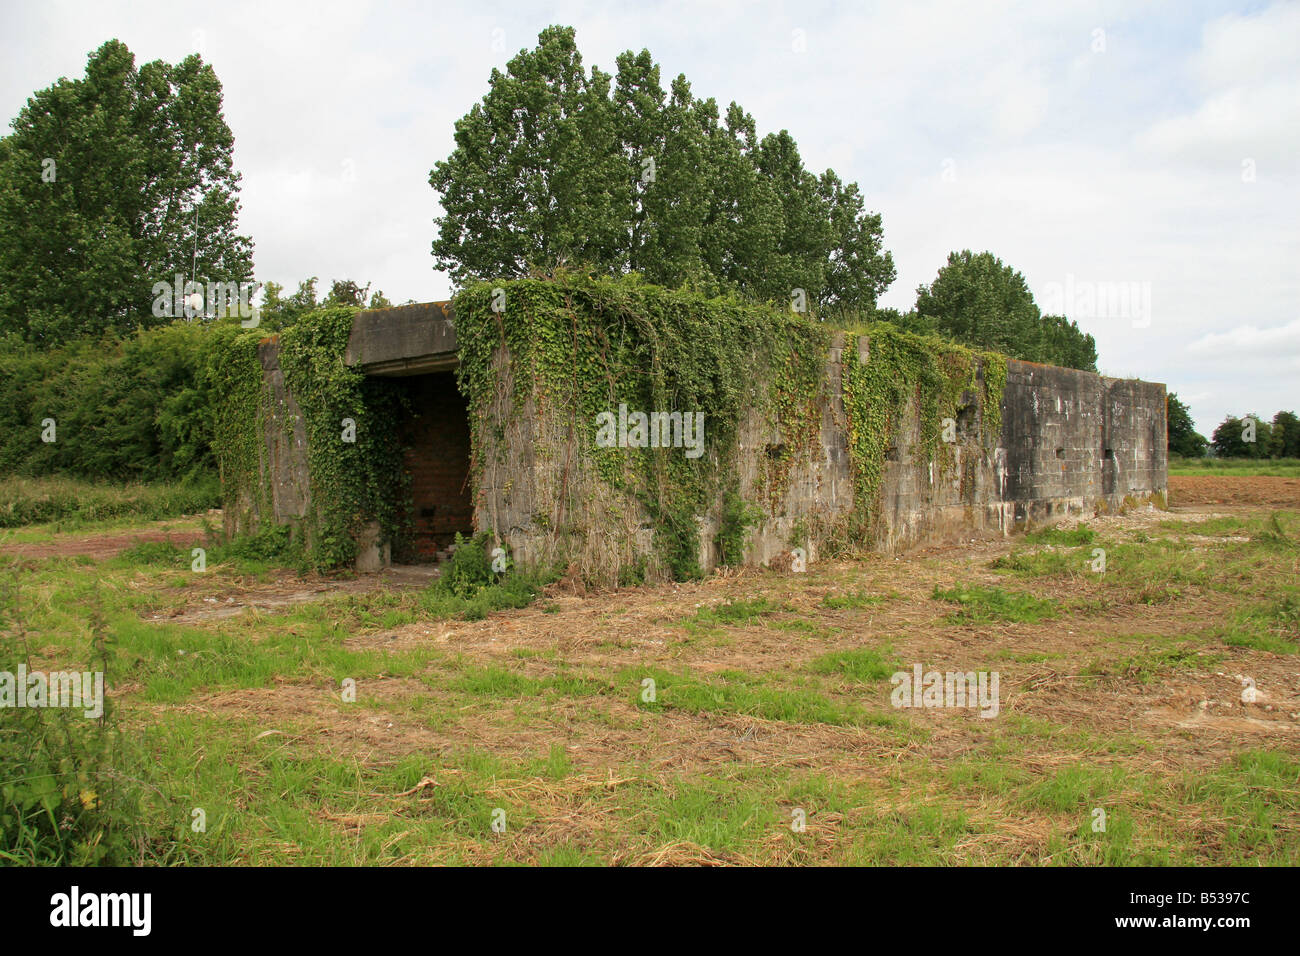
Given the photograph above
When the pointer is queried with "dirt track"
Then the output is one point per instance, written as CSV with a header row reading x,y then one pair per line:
x,y
1233,490
101,546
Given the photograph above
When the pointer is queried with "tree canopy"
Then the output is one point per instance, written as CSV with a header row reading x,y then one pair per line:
x,y
617,174
279,311
980,301
1184,439
1253,437
109,184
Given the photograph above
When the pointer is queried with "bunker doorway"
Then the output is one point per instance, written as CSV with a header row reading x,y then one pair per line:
x,y
436,435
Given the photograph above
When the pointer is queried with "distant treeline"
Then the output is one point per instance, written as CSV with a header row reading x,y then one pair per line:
x,y
1250,436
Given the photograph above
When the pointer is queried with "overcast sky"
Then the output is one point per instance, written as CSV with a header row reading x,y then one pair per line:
x,y
1102,148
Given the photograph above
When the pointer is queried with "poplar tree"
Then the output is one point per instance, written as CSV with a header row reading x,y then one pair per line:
x,y
554,165
108,184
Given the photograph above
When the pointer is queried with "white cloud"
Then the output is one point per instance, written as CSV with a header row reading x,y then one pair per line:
x,y
1248,76
1249,49
1281,341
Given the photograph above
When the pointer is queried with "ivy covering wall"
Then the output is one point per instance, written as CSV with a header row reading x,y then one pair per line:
x,y
945,382
352,483
565,350
541,359
579,347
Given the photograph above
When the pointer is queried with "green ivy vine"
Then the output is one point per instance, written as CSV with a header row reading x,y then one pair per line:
x,y
583,346
353,482
941,377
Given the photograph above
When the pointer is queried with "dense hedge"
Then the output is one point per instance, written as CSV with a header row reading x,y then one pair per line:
x,y
25,501
125,409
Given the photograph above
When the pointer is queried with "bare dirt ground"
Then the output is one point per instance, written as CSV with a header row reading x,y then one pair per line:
x,y
105,544
284,589
1233,490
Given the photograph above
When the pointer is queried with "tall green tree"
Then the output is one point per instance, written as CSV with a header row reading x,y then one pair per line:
x,y
1285,440
858,268
806,238
1233,437
1183,437
979,300
617,174
532,179
743,223
109,184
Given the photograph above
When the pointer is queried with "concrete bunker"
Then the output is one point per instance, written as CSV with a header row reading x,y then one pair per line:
x,y
1045,443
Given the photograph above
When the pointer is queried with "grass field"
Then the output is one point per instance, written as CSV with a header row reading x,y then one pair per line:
x,y
1121,699
1236,467
67,504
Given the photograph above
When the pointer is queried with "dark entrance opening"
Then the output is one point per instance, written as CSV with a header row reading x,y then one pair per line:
x,y
437,460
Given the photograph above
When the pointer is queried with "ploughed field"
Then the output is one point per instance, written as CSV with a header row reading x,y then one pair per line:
x,y
1229,489
1147,707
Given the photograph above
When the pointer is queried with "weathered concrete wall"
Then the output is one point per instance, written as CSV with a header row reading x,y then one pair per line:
x,y
282,457
1075,441
403,340
1070,442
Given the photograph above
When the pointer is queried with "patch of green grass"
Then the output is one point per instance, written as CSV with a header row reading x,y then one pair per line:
x,y
980,604
719,815
1162,570
1148,667
737,612
801,626
1271,624
75,503
858,599
1264,467
1039,563
741,694
1078,787
1073,538
920,835
556,766
991,774
1250,794
1279,531
503,683
862,665
247,554
568,855
712,619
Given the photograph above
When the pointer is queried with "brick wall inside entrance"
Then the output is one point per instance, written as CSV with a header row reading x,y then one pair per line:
x,y
437,436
